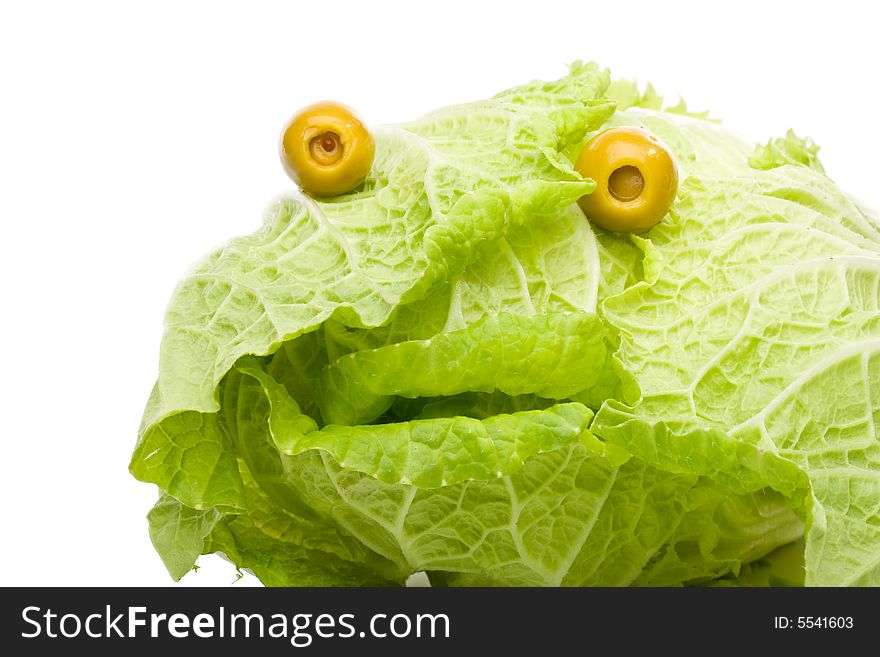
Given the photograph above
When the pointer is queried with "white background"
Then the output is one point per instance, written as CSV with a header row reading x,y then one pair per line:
x,y
134,137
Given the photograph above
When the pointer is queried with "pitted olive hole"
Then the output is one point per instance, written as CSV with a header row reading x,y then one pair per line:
x,y
326,148
626,183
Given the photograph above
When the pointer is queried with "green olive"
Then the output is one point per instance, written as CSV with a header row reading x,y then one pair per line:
x,y
326,149
636,179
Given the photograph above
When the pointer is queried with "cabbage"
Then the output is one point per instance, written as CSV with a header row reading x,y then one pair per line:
x,y
451,370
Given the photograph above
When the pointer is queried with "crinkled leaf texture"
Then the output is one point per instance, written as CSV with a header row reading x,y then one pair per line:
x,y
449,370
752,350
